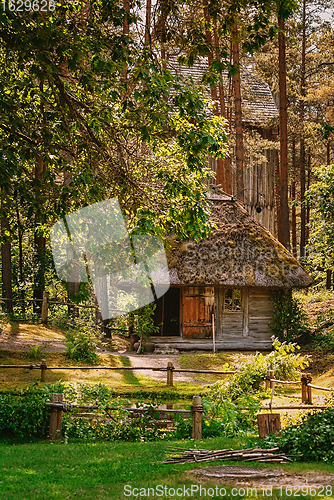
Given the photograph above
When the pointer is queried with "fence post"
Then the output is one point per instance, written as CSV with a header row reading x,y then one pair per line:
x,y
197,410
304,388
56,417
45,305
267,379
43,370
170,368
309,389
272,375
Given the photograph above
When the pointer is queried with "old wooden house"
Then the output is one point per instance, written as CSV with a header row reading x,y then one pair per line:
x,y
226,283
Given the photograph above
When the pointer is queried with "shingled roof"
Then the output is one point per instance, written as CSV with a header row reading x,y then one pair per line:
x,y
258,105
239,253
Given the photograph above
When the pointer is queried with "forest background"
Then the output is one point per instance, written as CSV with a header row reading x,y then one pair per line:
x,y
89,111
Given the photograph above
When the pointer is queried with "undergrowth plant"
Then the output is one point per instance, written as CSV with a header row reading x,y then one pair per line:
x,y
311,439
34,353
139,322
24,414
323,334
289,319
283,360
82,341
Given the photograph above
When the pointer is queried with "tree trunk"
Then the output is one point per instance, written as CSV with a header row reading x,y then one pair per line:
x,y
328,279
125,35
161,30
277,196
293,198
148,23
283,224
208,35
239,148
302,140
6,261
20,232
223,165
307,232
39,243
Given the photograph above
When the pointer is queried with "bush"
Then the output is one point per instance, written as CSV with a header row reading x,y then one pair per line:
x,y
289,319
34,353
323,334
139,322
81,343
227,418
312,439
283,360
24,415
115,423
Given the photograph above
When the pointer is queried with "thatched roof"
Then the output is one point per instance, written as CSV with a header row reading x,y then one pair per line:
x,y
239,253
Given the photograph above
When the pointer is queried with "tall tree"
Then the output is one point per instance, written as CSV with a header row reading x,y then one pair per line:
x,y
6,262
239,147
283,223
302,136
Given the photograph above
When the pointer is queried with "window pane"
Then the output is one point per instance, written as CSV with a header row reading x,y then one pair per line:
x,y
228,304
237,300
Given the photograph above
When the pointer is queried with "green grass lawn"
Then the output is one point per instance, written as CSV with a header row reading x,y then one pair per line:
x,y
100,471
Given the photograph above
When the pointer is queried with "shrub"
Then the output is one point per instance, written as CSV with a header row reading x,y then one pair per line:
x,y
227,418
312,439
34,353
117,424
24,415
81,343
323,334
283,359
289,319
139,322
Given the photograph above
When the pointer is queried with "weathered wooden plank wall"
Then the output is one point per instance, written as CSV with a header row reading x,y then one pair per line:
x,y
260,310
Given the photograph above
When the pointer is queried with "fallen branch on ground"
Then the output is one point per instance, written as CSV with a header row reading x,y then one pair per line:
x,y
193,455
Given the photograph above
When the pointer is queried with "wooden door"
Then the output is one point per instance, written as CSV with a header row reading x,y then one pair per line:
x,y
230,314
197,310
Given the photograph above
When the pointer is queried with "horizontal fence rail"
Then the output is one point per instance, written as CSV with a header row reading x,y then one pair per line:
x,y
306,387
58,406
169,369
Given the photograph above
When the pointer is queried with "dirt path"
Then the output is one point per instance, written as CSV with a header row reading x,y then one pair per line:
x,y
160,361
21,337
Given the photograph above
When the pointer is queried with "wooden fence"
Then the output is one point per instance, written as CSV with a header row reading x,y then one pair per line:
x,y
170,369
45,304
306,389
270,381
58,406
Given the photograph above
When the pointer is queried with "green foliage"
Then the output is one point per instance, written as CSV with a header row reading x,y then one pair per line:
x,y
323,334
289,320
315,294
320,198
113,422
139,322
24,415
312,439
283,360
34,352
224,418
81,343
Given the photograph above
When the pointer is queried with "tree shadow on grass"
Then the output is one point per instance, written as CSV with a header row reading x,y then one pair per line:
x,y
128,375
